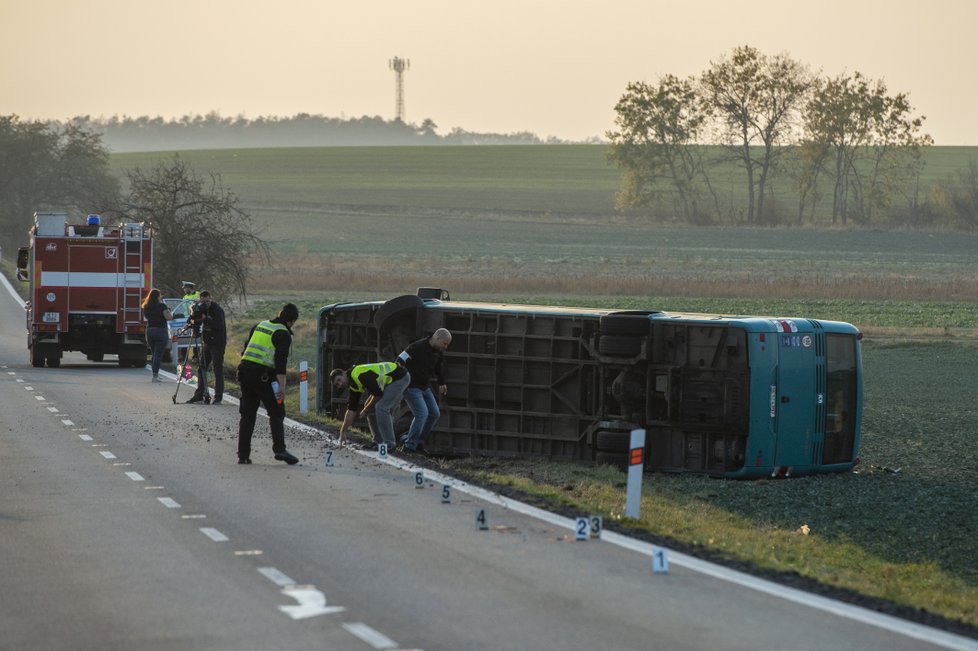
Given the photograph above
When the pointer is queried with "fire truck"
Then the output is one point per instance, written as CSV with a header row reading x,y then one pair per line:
x,y
86,285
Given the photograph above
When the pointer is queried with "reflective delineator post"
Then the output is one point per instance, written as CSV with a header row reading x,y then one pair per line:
x,y
304,387
636,464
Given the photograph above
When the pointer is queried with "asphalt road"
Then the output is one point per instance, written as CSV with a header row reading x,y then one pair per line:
x,y
126,523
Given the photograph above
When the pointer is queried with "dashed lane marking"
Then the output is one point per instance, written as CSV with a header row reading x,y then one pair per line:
x,y
195,516
135,476
28,388
275,576
53,410
169,502
108,455
214,534
85,437
248,552
40,398
67,423
373,637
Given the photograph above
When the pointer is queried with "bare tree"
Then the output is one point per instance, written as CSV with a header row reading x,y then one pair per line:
x,y
655,144
757,100
200,233
875,142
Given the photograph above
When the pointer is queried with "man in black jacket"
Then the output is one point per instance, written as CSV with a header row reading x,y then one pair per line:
x,y
423,360
209,316
261,375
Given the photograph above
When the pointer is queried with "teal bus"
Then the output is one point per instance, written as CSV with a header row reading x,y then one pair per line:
x,y
724,395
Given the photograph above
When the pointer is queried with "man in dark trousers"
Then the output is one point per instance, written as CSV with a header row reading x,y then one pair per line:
x,y
261,374
210,317
423,361
384,384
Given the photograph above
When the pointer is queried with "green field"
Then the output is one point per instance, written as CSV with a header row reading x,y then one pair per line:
x,y
535,225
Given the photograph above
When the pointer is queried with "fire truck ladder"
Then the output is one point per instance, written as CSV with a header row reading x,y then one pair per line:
x,y
133,235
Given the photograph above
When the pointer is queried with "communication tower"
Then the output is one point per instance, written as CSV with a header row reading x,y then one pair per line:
x,y
399,65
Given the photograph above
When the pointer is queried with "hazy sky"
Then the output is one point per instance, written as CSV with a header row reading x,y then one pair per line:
x,y
551,67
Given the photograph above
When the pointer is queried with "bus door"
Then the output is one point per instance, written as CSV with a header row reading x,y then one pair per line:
x,y
796,397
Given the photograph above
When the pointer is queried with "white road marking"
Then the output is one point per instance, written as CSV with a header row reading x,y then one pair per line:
x,y
67,423
40,398
11,373
53,410
135,476
85,437
275,576
249,552
152,488
169,502
196,516
214,534
26,388
374,638
312,602
20,379
108,455
100,445
121,463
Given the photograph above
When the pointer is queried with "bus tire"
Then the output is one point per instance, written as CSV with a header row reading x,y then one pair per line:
x,y
617,459
619,345
54,362
634,325
613,441
396,308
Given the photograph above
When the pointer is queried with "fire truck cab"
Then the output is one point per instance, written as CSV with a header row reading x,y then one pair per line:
x,y
86,285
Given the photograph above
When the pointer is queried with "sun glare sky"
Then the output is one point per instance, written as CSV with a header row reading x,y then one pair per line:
x,y
554,68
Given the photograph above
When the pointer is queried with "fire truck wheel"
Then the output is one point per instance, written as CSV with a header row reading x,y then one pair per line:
x,y
96,357
54,362
36,360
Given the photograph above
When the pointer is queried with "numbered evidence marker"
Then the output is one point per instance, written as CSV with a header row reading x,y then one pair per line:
x,y
596,525
446,494
419,479
481,520
382,450
660,560
329,458
581,528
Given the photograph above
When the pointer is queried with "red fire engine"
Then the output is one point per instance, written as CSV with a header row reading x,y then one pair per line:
x,y
86,285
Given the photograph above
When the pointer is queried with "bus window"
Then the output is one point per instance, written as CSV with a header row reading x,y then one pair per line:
x,y
840,412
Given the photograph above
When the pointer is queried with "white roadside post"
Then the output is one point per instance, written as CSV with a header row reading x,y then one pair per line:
x,y
303,387
636,456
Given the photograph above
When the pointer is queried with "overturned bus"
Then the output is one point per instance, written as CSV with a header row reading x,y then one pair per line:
x,y
728,396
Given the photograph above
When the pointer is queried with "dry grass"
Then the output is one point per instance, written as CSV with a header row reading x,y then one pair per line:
x,y
473,276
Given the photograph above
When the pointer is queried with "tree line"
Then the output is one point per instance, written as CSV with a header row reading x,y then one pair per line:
x,y
212,131
842,149
200,232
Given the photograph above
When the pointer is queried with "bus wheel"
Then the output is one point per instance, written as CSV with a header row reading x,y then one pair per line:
x,y
618,345
54,362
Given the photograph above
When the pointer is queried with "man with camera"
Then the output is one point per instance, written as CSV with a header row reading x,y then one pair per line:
x,y
207,320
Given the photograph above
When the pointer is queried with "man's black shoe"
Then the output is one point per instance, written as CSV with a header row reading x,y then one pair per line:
x,y
216,402
194,399
287,457
420,450
244,460
370,446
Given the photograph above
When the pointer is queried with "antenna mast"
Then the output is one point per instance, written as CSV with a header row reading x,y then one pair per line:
x,y
399,65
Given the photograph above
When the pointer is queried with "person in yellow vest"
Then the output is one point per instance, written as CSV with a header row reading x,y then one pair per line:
x,y
384,382
190,292
261,375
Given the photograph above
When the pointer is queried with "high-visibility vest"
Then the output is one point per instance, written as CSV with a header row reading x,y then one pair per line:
x,y
382,369
260,348
192,296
